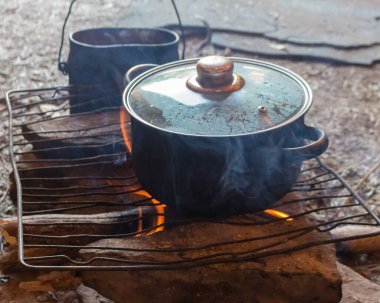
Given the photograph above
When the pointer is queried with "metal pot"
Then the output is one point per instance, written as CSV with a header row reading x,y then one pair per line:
x,y
99,58
220,136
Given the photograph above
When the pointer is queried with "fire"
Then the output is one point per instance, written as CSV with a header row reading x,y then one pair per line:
x,y
123,122
278,214
160,219
160,208
160,211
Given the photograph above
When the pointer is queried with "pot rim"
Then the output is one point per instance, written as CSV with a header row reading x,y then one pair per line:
x,y
163,30
294,76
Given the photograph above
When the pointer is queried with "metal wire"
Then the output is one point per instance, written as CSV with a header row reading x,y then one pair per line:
x,y
181,29
62,66
97,196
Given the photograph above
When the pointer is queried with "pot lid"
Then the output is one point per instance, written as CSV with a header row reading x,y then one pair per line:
x,y
218,96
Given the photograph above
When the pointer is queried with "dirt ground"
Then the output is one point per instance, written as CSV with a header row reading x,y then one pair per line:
x,y
346,98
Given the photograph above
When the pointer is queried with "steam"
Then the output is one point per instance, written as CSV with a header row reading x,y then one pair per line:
x,y
228,176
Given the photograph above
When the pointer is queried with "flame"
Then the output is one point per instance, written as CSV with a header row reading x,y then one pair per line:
x,y
123,123
140,214
160,210
140,221
160,219
278,214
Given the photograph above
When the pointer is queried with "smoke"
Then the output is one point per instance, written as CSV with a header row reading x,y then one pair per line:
x,y
224,176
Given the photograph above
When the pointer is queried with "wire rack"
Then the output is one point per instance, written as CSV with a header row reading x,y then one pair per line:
x,y
75,186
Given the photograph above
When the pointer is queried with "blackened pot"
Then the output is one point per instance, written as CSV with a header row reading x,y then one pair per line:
x,y
99,58
207,144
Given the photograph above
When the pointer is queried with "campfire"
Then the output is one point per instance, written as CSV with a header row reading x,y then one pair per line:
x,y
192,181
75,175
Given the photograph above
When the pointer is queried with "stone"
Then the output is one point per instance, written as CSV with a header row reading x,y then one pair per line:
x,y
27,286
308,275
356,288
89,295
79,137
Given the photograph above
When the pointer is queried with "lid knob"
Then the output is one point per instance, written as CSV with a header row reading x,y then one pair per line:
x,y
214,71
215,75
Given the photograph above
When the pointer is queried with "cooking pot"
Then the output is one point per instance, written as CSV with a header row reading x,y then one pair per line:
x,y
99,58
219,136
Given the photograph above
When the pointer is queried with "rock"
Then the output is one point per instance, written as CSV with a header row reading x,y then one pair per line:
x,y
75,136
26,286
89,295
308,275
356,288
35,286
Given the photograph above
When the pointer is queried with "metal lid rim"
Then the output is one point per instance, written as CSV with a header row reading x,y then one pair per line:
x,y
304,109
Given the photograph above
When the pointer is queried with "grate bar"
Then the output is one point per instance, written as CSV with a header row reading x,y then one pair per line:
x,y
100,110
64,166
73,137
80,187
350,190
67,130
120,204
78,178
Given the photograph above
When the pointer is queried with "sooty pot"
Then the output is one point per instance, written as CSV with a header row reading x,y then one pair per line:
x,y
220,136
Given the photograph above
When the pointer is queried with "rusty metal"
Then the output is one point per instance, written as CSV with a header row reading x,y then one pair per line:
x,y
323,192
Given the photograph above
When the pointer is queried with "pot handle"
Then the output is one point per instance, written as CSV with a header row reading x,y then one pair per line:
x,y
63,66
137,70
311,150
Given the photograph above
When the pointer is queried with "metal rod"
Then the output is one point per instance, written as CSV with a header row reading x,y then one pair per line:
x,y
99,110
317,180
352,192
68,130
80,187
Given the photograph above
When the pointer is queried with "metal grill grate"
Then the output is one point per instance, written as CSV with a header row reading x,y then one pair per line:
x,y
78,176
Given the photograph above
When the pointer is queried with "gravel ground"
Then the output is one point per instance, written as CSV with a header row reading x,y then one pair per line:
x,y
29,44
346,104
